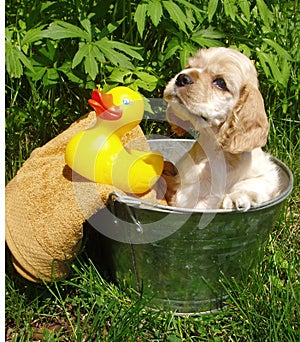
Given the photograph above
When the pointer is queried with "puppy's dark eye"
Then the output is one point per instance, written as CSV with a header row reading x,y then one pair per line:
x,y
220,83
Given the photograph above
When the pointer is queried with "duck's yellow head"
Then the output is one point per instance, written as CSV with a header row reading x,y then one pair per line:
x,y
120,104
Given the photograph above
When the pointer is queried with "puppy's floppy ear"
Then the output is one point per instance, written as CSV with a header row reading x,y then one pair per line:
x,y
247,126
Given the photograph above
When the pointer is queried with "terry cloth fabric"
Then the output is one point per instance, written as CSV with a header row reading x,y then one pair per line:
x,y
47,204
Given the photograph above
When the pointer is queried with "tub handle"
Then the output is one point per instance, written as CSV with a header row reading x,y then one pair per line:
x,y
137,203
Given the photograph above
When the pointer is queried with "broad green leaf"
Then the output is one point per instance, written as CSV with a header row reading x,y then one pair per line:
x,y
140,18
90,54
245,7
119,74
211,10
52,49
149,86
25,60
245,49
12,62
15,59
48,53
90,61
170,53
125,48
202,41
133,86
155,11
188,4
271,68
275,70
186,52
15,68
114,56
145,80
66,68
147,106
32,35
45,5
190,19
146,77
173,46
91,66
8,34
100,56
264,12
176,14
86,24
280,50
60,30
51,77
262,60
111,27
210,32
230,8
22,25
38,73
80,54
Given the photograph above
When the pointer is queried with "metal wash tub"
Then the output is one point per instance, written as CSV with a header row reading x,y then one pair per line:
x,y
181,254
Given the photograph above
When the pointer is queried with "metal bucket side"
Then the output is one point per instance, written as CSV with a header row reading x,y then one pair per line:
x,y
184,269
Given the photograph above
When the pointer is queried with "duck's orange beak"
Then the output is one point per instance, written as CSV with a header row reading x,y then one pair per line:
x,y
104,106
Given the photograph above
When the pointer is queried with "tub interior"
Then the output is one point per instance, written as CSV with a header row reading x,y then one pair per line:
x,y
173,150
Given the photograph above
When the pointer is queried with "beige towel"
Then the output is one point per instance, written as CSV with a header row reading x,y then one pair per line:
x,y
45,214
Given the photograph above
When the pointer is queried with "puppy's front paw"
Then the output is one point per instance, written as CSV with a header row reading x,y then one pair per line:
x,y
239,200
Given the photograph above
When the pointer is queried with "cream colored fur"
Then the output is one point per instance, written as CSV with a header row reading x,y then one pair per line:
x,y
217,93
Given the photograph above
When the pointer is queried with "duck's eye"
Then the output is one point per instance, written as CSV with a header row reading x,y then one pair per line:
x,y
220,83
126,101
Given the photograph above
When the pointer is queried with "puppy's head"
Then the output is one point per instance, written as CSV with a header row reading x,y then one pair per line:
x,y
219,89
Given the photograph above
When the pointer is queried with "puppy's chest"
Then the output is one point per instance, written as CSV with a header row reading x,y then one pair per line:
x,y
195,172
203,170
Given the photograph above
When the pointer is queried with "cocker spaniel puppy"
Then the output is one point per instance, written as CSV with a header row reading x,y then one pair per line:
x,y
217,94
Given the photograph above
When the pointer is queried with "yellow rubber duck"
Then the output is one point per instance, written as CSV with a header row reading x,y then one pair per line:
x,y
98,153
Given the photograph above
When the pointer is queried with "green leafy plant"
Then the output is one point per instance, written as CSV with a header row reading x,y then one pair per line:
x,y
94,47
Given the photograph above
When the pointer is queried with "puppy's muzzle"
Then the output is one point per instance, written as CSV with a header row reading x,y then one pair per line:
x,y
183,80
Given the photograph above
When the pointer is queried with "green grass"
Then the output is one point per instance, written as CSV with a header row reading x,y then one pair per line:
x,y
44,95
86,307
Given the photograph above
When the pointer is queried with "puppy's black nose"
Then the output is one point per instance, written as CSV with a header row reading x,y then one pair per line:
x,y
183,80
